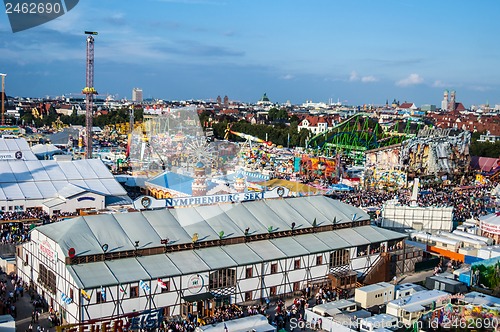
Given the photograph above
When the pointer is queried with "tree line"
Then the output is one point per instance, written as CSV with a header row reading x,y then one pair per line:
x,y
281,129
110,117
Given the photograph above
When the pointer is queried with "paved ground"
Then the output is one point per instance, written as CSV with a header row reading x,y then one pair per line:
x,y
24,310
415,277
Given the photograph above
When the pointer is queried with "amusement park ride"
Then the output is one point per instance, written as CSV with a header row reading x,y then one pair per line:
x,y
248,138
359,133
89,91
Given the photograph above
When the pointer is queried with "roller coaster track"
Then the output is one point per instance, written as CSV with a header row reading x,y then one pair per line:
x,y
340,125
355,135
350,138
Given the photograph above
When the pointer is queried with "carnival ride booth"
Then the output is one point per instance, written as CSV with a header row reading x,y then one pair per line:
x,y
383,168
318,168
409,309
436,151
489,226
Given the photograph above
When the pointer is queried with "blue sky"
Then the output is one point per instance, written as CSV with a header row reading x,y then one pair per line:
x,y
362,51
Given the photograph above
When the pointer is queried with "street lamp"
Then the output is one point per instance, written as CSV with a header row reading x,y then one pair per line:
x,y
3,98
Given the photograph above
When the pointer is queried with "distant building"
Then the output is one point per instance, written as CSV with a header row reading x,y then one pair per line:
x,y
315,124
407,106
137,95
428,108
51,185
264,101
488,137
309,104
444,102
450,104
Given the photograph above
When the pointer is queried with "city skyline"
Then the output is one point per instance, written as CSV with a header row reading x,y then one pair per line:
x,y
355,52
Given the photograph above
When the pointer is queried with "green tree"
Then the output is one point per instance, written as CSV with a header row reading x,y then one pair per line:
x,y
485,149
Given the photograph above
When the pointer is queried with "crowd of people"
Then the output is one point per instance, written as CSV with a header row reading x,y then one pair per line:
x,y
23,215
33,215
14,232
467,203
280,317
221,314
16,225
12,288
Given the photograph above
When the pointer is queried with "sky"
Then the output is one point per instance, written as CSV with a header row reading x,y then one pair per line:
x,y
356,52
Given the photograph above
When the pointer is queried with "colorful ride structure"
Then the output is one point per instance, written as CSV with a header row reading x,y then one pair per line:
x,y
359,133
248,138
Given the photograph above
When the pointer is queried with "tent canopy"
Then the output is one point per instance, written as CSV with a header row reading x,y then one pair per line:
x,y
294,186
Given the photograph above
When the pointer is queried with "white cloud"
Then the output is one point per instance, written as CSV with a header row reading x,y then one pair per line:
x,y
439,84
369,79
413,79
287,77
480,88
353,77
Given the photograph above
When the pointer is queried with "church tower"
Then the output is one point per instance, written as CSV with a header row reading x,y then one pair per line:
x,y
452,104
444,102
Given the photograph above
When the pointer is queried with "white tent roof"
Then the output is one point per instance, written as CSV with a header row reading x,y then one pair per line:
x,y
44,148
10,145
48,179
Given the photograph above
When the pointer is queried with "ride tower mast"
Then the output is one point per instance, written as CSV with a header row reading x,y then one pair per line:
x,y
89,92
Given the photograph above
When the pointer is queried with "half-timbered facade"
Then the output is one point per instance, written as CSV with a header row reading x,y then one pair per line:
x,y
195,259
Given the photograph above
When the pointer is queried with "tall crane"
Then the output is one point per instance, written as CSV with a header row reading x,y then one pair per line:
x,y
89,92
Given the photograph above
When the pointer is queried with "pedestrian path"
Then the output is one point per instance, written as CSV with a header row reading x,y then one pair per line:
x,y
24,312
